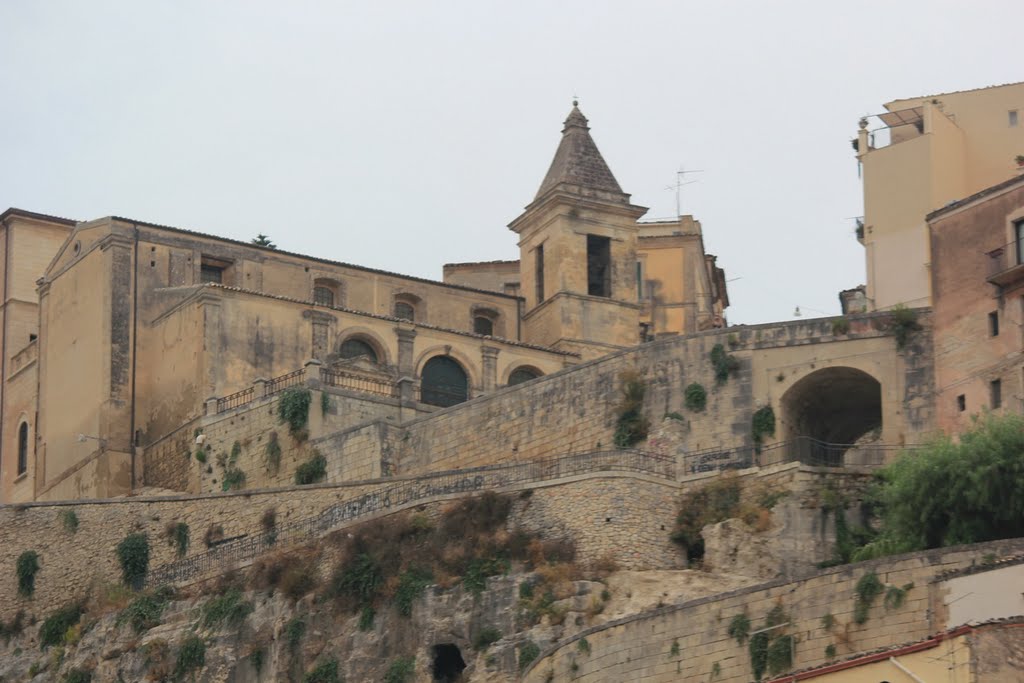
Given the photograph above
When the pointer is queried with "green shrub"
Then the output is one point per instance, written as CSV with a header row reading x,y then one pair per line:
x,y
311,471
27,567
477,571
528,652
830,651
366,617
401,670
293,632
228,608
133,554
69,520
293,408
724,364
324,672
952,493
57,624
631,426
583,645
895,596
191,656
236,450
762,424
234,479
201,455
486,637
673,650
325,403
695,397
411,585
903,324
78,676
359,580
840,326
273,453
256,658
144,612
714,502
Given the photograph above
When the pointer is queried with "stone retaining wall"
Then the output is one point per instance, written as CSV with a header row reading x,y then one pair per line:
x,y
691,642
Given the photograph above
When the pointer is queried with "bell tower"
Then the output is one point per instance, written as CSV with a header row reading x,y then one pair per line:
x,y
577,245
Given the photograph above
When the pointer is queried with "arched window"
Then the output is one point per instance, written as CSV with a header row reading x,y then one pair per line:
x,y
483,324
444,382
23,448
356,348
323,296
523,374
405,311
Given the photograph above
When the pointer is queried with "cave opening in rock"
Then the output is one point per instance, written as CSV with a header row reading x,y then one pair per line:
x,y
448,663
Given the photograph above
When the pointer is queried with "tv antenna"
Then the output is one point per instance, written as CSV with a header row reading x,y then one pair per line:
x,y
678,185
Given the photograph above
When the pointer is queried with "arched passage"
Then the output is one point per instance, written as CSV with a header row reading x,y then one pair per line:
x,y
443,382
836,405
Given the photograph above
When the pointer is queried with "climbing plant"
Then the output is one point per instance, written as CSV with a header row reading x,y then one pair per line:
x,y
868,588
133,554
293,409
723,363
311,471
273,453
903,324
27,567
178,536
69,520
631,425
762,424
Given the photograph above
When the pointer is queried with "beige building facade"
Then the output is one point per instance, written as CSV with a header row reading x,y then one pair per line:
x,y
117,332
922,154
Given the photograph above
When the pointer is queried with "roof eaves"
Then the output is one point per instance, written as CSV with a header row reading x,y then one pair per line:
x,y
998,187
316,259
22,213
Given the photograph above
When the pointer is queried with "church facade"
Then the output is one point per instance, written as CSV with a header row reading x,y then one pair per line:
x,y
115,331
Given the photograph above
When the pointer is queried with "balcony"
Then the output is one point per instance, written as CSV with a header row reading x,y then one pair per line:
x,y
1005,268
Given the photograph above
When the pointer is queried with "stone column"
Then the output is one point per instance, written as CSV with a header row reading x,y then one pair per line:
x,y
311,377
211,405
406,359
259,387
489,377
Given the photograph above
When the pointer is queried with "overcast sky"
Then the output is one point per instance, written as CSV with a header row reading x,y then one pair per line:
x,y
404,136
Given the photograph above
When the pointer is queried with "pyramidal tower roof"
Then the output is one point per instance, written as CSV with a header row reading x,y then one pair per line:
x,y
578,161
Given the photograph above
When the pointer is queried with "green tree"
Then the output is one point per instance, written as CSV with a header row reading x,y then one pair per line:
x,y
951,493
262,240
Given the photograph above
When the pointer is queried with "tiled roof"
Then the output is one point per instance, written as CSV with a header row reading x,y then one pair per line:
x,y
577,160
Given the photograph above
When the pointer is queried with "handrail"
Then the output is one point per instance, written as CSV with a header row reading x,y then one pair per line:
x,y
806,450
348,380
409,491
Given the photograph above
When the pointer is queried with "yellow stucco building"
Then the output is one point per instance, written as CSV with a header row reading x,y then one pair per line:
x,y
921,154
116,331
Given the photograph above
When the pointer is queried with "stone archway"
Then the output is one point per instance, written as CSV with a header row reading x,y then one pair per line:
x,y
836,405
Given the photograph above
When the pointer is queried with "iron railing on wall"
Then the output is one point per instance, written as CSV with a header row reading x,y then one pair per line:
x,y
803,449
242,549
361,383
235,400
292,379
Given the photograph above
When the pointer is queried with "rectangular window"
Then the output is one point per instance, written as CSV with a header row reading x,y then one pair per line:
x,y
1018,234
639,280
1013,118
993,324
599,266
538,272
961,403
995,391
209,273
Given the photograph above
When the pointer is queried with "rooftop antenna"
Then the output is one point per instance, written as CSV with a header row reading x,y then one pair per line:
x,y
677,186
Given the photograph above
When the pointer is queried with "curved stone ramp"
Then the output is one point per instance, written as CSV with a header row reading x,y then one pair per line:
x,y
404,494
